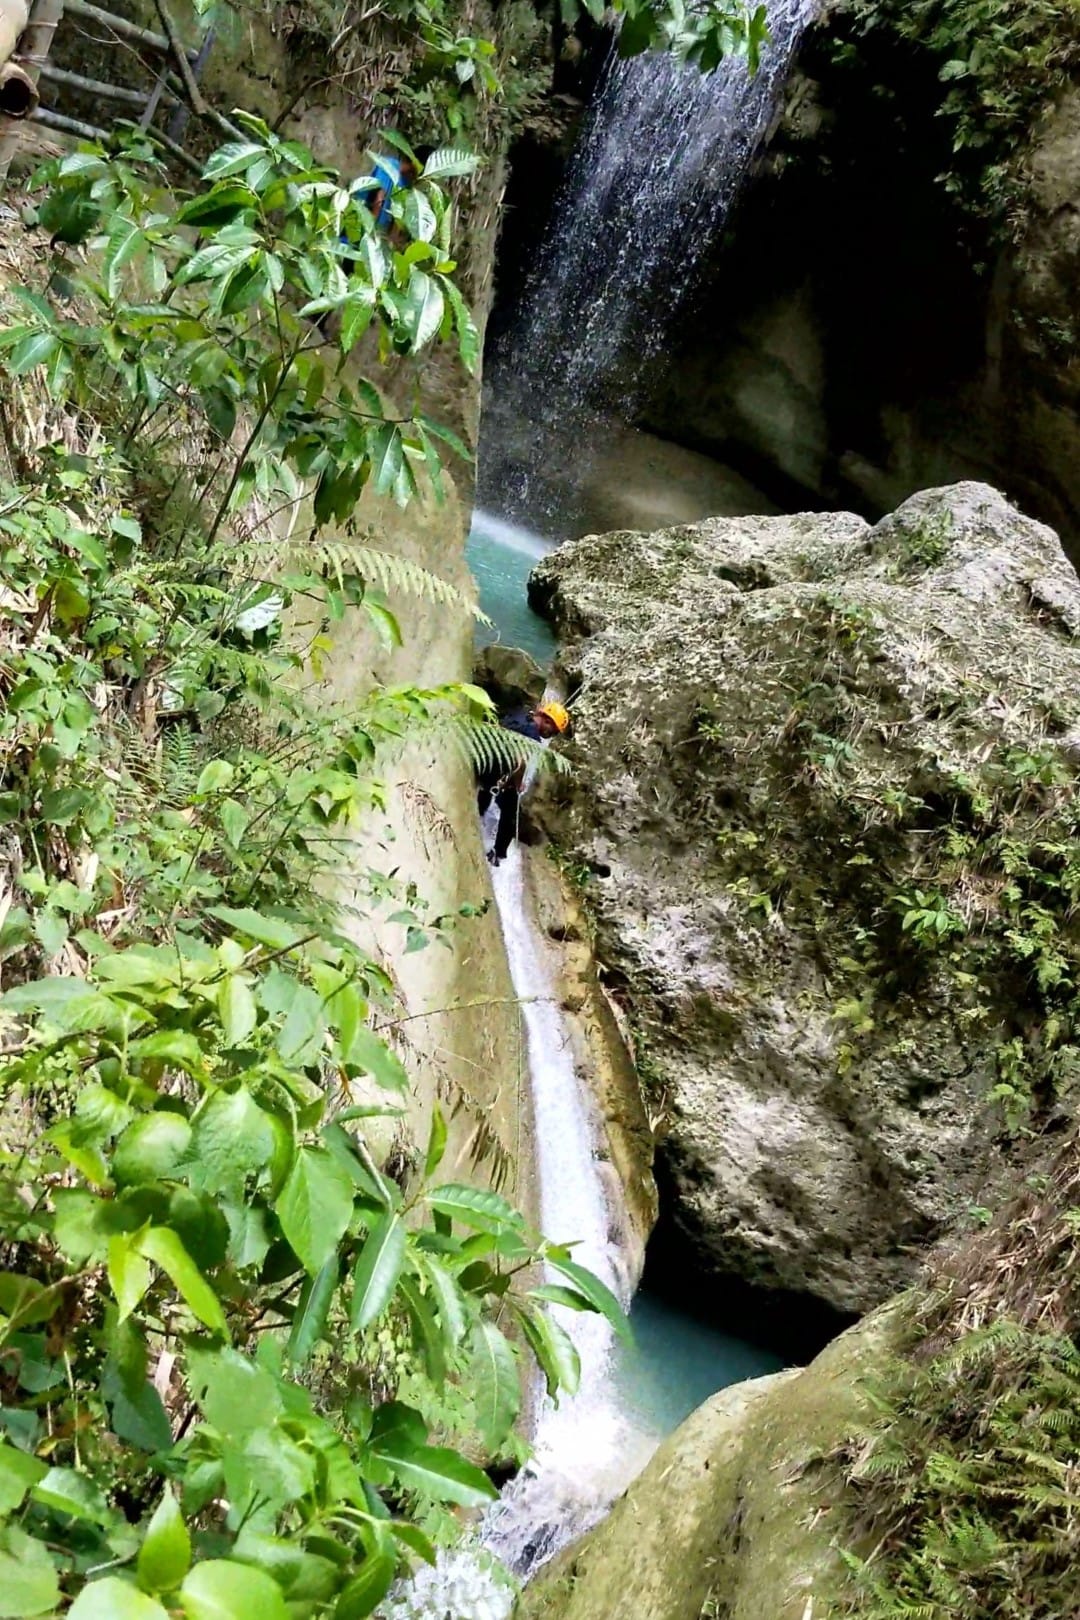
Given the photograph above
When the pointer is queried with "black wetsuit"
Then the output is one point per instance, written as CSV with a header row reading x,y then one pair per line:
x,y
505,786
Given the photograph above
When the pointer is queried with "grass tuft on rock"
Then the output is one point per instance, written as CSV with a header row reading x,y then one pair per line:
x,y
964,1494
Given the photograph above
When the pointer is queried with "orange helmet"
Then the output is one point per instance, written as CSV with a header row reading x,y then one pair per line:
x,y
559,717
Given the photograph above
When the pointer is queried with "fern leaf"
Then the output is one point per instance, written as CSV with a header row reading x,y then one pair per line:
x,y
389,572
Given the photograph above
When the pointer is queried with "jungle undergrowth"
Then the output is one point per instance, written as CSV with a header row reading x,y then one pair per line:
x,y
197,1057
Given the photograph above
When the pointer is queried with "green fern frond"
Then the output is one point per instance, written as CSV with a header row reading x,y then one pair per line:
x,y
183,754
485,745
388,571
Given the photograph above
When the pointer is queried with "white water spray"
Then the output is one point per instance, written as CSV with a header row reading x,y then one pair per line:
x,y
664,152
585,1448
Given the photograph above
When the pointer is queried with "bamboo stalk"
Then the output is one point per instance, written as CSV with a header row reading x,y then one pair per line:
x,y
192,165
120,25
211,114
93,87
179,120
18,92
91,132
36,43
194,94
69,126
154,98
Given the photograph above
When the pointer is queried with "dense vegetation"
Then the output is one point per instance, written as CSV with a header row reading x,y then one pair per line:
x,y
194,1043
999,65
963,1493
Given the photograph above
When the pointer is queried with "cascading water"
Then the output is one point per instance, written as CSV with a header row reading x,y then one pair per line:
x,y
661,161
662,158
585,1449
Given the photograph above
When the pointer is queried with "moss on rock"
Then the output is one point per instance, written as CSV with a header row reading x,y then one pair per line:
x,y
825,781
724,1522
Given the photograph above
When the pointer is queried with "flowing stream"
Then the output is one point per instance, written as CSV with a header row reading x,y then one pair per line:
x,y
585,1448
589,1447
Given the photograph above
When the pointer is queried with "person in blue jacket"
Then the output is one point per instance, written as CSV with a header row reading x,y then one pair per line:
x,y
393,174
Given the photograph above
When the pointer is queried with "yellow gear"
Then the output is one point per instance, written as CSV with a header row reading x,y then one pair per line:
x,y
555,712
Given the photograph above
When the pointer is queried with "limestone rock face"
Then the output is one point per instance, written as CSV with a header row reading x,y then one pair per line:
x,y
955,359
728,1513
779,722
511,677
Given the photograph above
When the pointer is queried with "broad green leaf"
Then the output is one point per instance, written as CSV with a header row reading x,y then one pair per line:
x,y
151,1148
67,1491
424,304
369,1052
32,351
597,1293
51,931
366,1591
216,207
428,1336
18,1472
436,1142
468,335
61,999
81,1223
222,1590
356,317
24,1300
28,1579
233,1138
558,1294
123,242
387,453
268,931
129,1273
114,1599
417,214
447,161
377,1271
315,1207
171,1049
437,1472
237,1008
494,1384
238,1397
165,1555
139,1417
453,1312
234,820
165,1249
394,138
300,1038
233,158
415,1539
216,774
475,1207
554,1350
312,1310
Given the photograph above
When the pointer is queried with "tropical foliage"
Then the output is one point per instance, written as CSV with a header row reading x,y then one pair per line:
x,y
960,1495
200,1238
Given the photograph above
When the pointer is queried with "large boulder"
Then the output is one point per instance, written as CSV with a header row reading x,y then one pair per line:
x,y
824,784
728,1518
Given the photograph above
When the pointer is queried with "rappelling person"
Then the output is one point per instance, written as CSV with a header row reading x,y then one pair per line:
x,y
548,719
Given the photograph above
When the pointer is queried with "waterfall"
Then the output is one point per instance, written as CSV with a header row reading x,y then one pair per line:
x,y
663,154
586,1449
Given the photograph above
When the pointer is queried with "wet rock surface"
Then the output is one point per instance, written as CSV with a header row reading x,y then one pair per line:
x,y
778,722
